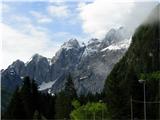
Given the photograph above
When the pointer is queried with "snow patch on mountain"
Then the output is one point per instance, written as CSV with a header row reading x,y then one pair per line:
x,y
117,46
45,85
72,43
89,51
92,47
49,61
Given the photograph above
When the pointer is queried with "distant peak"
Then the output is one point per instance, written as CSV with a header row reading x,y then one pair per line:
x,y
36,57
18,61
112,30
93,40
15,63
72,43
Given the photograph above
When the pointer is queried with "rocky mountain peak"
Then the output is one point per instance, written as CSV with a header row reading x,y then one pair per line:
x,y
111,32
17,66
93,45
93,40
115,36
36,58
72,43
17,63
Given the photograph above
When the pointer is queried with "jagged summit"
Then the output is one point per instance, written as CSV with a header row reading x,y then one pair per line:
x,y
93,40
72,43
17,62
93,43
115,36
36,57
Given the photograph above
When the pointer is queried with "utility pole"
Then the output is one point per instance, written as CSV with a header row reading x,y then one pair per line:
x,y
131,108
144,96
144,86
159,100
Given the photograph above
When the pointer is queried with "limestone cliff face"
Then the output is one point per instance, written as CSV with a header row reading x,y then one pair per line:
x,y
88,64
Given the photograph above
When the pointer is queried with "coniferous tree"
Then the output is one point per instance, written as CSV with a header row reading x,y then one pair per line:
x,y
70,94
60,106
36,115
122,83
35,96
15,109
28,103
69,88
51,112
26,96
63,105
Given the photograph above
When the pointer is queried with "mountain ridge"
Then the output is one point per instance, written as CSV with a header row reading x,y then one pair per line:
x,y
80,60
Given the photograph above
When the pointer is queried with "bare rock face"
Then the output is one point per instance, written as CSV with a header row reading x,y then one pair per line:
x,y
88,64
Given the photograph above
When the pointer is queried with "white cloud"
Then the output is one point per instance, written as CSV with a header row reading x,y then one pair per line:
x,y
21,19
19,45
4,7
45,20
41,18
101,15
58,11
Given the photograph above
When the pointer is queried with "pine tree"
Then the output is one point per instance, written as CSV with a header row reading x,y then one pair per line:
x,y
15,109
26,96
36,115
70,94
51,112
64,100
60,106
35,96
28,103
122,83
70,90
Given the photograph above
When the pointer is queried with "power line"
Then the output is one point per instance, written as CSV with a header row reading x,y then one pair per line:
x,y
138,101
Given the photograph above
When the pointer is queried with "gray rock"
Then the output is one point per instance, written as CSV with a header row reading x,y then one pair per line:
x,y
88,64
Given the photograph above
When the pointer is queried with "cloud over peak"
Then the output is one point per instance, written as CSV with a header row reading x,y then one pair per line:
x,y
101,15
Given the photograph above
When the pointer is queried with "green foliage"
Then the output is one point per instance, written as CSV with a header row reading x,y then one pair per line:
x,y
26,98
36,115
63,105
15,108
149,76
90,111
76,104
28,103
122,83
69,89
60,106
5,99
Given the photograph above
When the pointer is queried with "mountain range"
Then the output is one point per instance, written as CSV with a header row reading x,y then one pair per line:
x,y
89,64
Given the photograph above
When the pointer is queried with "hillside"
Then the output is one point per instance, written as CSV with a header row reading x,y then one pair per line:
x,y
142,57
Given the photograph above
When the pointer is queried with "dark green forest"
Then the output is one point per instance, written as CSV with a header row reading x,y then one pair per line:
x,y
28,103
141,61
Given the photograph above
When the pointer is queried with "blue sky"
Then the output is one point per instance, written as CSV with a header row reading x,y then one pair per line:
x,y
42,27
59,27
